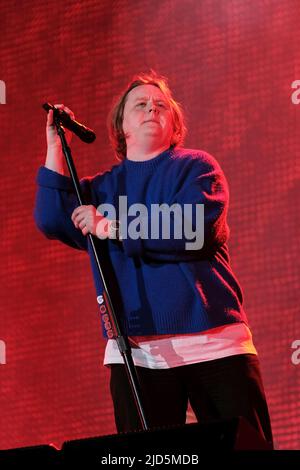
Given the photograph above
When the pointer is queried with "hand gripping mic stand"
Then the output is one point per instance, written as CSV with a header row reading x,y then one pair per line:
x,y
121,339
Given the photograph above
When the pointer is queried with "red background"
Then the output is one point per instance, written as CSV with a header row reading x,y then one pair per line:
x,y
231,64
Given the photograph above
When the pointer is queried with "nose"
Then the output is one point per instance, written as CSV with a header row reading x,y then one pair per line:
x,y
153,108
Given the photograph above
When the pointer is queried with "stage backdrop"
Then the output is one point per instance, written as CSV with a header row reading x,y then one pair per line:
x,y
234,65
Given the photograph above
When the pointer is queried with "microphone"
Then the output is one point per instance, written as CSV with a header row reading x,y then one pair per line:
x,y
84,133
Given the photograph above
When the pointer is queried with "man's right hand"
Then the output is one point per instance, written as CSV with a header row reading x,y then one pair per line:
x,y
54,159
53,140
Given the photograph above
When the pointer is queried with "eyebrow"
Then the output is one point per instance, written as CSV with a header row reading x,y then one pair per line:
x,y
146,98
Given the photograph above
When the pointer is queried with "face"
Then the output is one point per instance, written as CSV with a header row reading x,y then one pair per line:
x,y
147,118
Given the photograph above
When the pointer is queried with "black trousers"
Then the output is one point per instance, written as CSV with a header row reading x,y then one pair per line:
x,y
219,389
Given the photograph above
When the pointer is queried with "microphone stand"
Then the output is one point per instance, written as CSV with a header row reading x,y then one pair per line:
x,y
121,339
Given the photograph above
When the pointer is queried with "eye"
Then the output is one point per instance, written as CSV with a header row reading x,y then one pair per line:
x,y
141,104
162,105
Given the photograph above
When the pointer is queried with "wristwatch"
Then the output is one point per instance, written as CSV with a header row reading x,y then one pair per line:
x,y
114,230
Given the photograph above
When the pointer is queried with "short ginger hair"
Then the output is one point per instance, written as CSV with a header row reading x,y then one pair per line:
x,y
115,117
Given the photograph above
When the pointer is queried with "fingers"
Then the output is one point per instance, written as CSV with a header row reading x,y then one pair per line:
x,y
85,208
66,109
70,112
78,210
50,118
85,231
80,221
81,216
60,107
86,218
78,218
82,224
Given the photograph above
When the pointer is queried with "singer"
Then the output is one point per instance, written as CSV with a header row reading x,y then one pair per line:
x,y
182,309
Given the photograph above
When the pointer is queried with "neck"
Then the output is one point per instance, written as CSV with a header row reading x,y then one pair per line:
x,y
143,154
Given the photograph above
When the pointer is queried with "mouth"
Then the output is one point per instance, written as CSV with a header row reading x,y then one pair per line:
x,y
151,120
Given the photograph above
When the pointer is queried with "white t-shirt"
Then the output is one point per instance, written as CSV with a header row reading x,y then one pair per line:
x,y
166,351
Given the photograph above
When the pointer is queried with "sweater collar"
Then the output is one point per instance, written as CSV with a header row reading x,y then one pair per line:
x,y
148,165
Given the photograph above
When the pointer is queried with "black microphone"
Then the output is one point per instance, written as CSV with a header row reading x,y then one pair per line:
x,y
84,133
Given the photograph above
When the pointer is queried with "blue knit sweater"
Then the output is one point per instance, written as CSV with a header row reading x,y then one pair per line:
x,y
157,285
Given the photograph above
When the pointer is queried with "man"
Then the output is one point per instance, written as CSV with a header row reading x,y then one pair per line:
x,y
179,302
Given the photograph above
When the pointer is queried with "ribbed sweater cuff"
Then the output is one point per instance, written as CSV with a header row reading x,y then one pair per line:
x,y
52,179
